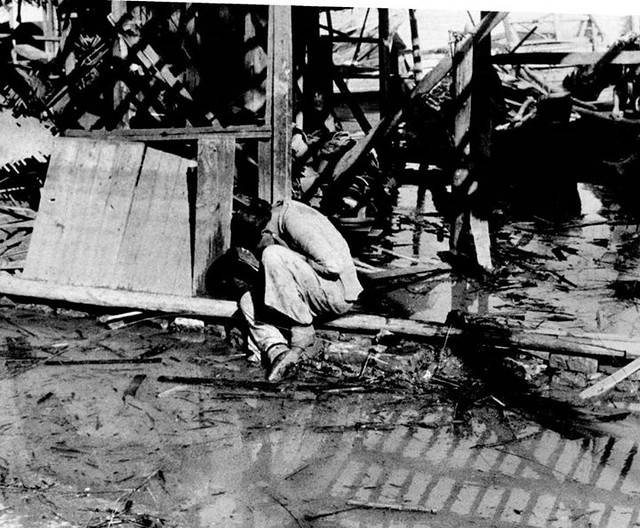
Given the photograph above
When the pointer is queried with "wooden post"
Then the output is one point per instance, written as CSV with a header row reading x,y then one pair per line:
x,y
282,118
214,202
415,45
461,84
384,50
481,118
481,137
461,88
265,148
472,137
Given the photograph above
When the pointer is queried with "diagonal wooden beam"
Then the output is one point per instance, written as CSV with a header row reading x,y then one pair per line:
x,y
428,83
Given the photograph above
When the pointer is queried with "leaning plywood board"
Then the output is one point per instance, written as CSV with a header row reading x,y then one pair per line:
x,y
51,219
157,230
113,215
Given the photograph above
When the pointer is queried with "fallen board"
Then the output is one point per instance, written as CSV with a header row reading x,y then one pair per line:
x,y
585,345
113,215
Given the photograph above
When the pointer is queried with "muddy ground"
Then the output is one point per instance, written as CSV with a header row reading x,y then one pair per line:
x,y
147,425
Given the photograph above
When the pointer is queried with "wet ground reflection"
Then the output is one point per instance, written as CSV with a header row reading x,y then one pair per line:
x,y
548,270
317,463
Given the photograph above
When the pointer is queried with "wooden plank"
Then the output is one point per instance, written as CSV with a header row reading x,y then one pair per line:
x,y
566,59
50,221
482,118
611,381
134,245
180,254
165,228
173,134
481,133
156,224
108,297
113,203
462,75
428,82
481,240
282,54
364,323
265,170
76,260
214,203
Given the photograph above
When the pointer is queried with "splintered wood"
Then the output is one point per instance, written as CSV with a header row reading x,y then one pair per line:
x,y
113,215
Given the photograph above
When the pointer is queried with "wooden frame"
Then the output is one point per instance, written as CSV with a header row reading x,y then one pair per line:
x,y
216,150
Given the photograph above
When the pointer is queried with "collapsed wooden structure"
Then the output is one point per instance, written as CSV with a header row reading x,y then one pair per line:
x,y
96,231
132,216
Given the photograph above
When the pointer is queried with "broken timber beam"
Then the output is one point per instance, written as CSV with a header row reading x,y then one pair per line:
x,y
428,82
565,59
582,345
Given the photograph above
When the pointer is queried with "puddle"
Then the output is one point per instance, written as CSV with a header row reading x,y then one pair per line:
x,y
562,270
